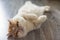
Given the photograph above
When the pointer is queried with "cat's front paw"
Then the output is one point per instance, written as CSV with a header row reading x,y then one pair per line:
x,y
21,33
43,18
47,8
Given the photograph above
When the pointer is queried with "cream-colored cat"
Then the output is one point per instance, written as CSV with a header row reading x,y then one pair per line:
x,y
28,18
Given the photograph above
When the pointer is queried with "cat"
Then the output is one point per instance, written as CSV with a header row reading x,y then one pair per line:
x,y
28,18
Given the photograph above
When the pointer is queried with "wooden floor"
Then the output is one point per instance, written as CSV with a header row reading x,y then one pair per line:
x,y
50,30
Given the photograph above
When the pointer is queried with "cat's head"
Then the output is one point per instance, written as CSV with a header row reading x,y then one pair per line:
x,y
14,28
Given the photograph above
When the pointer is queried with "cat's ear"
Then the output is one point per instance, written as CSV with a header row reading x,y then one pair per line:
x,y
9,21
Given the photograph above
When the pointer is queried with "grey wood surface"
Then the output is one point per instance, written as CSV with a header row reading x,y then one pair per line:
x,y
50,30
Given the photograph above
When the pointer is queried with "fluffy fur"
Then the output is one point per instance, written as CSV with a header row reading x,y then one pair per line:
x,y
28,18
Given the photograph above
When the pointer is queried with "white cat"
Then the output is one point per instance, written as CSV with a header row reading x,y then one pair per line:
x,y
28,18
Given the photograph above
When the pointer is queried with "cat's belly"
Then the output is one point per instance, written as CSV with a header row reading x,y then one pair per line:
x,y
29,26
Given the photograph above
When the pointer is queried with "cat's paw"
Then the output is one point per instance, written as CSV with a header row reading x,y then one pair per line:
x,y
21,32
47,8
42,18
